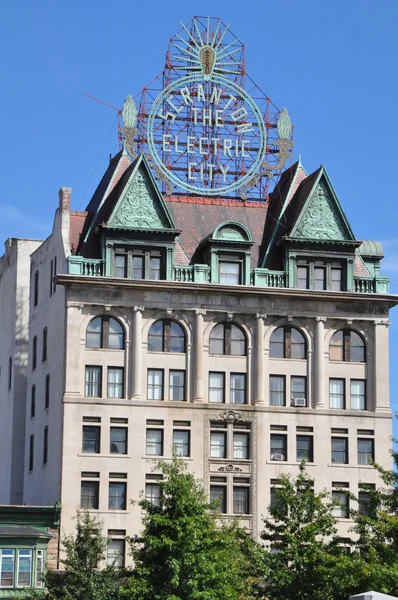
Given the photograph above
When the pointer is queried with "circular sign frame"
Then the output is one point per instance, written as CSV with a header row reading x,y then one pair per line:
x,y
227,84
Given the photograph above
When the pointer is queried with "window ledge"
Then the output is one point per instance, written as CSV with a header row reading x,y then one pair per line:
x,y
99,455
291,464
161,457
348,466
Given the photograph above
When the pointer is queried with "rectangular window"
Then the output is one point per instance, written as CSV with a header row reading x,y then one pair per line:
x,y
89,494
51,276
117,495
336,279
31,452
364,498
7,567
277,390
39,568
91,439
177,385
93,387
340,510
365,451
218,493
115,553
24,568
154,442
120,266
337,393
155,268
34,353
278,446
45,446
36,289
238,388
9,373
181,442
138,267
118,440
241,447
155,384
298,388
241,500
319,278
302,278
218,444
115,382
55,273
340,450
33,402
305,448
358,394
152,493
44,349
217,387
47,393
230,272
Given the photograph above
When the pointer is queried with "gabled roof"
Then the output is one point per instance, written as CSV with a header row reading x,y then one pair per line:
x,y
139,205
315,212
275,225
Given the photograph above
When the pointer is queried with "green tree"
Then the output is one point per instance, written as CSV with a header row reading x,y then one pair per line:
x,y
184,554
304,558
376,529
82,578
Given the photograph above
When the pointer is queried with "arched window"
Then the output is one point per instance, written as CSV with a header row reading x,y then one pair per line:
x,y
227,338
287,342
105,332
347,345
166,336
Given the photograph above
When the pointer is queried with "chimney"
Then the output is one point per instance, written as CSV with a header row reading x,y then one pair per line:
x,y
64,199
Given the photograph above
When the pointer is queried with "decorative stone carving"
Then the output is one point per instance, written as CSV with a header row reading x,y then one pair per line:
x,y
320,220
231,416
140,207
230,469
231,233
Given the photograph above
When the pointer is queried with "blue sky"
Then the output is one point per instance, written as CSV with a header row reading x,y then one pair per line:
x,y
332,64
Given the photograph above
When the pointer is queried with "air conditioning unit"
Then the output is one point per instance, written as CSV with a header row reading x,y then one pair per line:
x,y
277,457
299,402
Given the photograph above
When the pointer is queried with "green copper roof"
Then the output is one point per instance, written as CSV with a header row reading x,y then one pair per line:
x,y
371,249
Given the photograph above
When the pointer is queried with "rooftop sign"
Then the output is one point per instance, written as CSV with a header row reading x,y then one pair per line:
x,y
203,132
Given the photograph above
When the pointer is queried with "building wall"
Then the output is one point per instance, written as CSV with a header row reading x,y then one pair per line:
x,y
258,313
14,311
42,484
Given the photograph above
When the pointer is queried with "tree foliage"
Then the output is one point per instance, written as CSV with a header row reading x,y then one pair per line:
x,y
184,554
83,578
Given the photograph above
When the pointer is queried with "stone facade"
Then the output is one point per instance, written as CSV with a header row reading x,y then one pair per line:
x,y
231,356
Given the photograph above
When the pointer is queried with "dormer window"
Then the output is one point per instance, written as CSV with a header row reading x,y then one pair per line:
x,y
230,270
319,275
139,263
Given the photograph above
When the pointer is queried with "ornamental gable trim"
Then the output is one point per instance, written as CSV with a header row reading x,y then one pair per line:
x,y
322,217
141,205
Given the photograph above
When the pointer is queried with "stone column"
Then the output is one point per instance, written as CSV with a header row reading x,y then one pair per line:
x,y
320,363
381,374
198,395
75,344
137,353
259,360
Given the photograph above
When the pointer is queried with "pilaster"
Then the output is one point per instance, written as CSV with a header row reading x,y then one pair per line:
x,y
381,366
259,364
137,353
198,357
320,363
